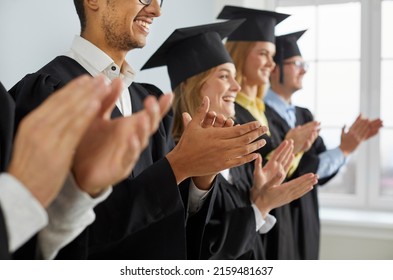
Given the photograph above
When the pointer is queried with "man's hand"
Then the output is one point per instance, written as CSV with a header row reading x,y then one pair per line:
x,y
47,138
356,134
110,148
374,127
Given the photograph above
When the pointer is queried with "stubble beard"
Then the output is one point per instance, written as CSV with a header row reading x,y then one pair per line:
x,y
117,39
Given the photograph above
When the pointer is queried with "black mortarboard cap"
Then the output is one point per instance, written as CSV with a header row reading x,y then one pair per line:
x,y
286,47
259,24
193,50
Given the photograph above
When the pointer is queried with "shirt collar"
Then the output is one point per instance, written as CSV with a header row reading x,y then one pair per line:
x,y
277,102
246,102
100,61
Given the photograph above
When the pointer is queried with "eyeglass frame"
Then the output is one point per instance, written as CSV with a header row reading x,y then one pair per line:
x,y
299,64
144,2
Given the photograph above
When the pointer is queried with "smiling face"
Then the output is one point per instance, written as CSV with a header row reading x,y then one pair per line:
x,y
259,63
294,71
222,88
125,24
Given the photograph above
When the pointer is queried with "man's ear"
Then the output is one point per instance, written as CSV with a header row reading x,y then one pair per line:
x,y
92,4
275,69
274,73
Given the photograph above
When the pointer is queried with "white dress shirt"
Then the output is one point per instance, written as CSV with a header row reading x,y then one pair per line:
x,y
96,62
68,215
24,215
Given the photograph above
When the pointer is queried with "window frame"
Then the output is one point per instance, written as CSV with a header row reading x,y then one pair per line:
x,y
367,189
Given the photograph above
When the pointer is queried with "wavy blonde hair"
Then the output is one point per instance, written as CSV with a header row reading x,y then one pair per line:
x,y
187,99
239,51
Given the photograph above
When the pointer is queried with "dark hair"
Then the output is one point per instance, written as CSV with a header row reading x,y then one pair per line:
x,y
80,10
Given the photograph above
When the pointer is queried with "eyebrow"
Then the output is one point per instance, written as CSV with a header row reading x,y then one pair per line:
x,y
267,51
263,49
225,70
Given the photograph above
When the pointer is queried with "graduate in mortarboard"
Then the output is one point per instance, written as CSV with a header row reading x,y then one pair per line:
x,y
252,47
228,223
285,80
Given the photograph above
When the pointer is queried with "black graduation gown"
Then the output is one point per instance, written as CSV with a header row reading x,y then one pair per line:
x,y
6,132
279,242
7,108
305,210
144,216
229,222
4,251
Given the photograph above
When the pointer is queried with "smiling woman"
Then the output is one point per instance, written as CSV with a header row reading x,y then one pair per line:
x,y
198,47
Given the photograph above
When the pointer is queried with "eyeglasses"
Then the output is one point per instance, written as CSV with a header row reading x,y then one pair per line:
x,y
299,64
148,2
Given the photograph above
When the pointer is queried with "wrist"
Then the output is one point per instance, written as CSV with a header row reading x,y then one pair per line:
x,y
96,192
88,186
264,212
175,161
344,151
204,182
263,209
43,195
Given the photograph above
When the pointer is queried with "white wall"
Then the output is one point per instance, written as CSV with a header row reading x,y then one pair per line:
x,y
30,36
340,247
349,234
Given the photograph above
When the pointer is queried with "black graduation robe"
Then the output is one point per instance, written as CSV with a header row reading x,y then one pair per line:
x,y
229,222
6,132
4,251
305,210
144,216
279,242
7,108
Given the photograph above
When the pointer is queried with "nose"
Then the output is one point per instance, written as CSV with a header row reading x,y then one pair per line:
x,y
154,9
235,87
271,63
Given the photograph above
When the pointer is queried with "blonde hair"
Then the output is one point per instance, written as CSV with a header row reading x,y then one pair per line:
x,y
239,50
187,99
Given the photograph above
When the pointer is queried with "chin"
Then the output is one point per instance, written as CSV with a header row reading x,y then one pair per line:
x,y
263,82
299,86
230,113
140,43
